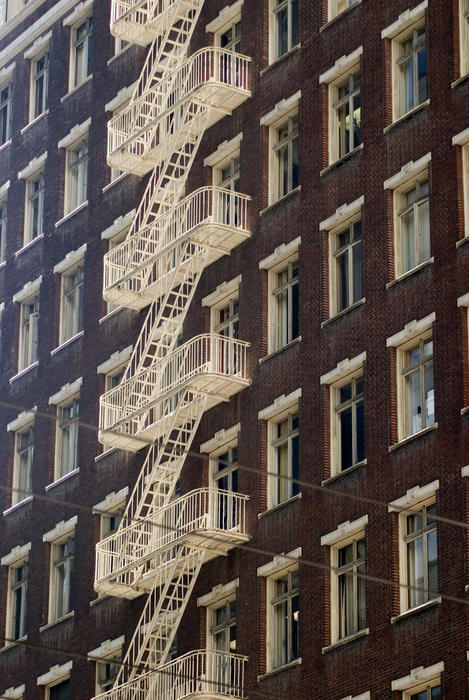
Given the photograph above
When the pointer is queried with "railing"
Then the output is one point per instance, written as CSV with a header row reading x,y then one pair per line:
x,y
128,261
139,11
161,103
208,353
202,509
196,673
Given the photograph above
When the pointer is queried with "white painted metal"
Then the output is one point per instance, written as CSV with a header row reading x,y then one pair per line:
x,y
161,544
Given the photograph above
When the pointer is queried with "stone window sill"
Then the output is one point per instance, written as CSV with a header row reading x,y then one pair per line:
x,y
412,437
334,19
414,611
344,312
462,241
346,640
29,245
114,182
350,470
99,599
5,145
279,506
70,214
280,201
63,478
461,79
406,116
411,272
118,54
57,622
281,58
11,644
24,371
295,341
34,121
76,87
66,343
341,160
285,667
3,264
28,499
464,410
104,454
112,313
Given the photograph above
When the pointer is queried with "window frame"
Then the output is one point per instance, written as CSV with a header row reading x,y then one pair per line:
x,y
13,586
276,306
16,496
404,371
276,485
465,166
405,538
463,38
31,218
337,408
76,174
75,80
398,36
3,228
337,135
55,563
36,77
400,210
71,324
28,352
333,7
334,253
6,109
272,601
276,7
73,425
278,147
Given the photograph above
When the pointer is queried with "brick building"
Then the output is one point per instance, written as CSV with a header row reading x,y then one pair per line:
x,y
275,478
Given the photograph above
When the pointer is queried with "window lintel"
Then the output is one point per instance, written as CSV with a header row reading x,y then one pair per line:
x,y
344,368
22,420
29,289
464,300
281,404
67,391
121,98
39,45
72,258
281,253
344,64
118,225
418,675
75,133
342,214
218,593
223,290
17,554
461,139
224,17
362,696
411,330
221,438
55,673
61,530
281,109
33,166
116,359
111,502
224,150
107,648
14,693
407,172
6,73
281,562
405,20
414,496
4,189
344,531
81,11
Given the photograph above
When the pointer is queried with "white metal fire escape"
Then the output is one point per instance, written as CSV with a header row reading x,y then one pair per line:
x,y
162,542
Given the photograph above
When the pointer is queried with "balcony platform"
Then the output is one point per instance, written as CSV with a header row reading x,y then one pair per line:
x,y
143,21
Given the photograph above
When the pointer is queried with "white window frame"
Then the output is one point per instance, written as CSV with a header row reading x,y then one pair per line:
x,y
76,174
337,7
3,227
115,234
86,41
464,37
284,408
113,506
71,425
18,557
408,22
282,307
6,104
34,208
62,534
222,594
29,330
71,312
109,653
279,567
346,534
418,679
341,73
17,494
277,6
416,499
282,114
38,77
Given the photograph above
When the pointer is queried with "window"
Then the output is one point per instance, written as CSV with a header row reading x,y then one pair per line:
x,y
3,229
338,6
350,428
464,36
12,7
227,174
62,556
346,266
285,458
5,113
17,592
82,52
40,85
108,658
34,209
413,224
61,691
432,692
56,682
28,341
422,556
120,44
417,386
76,180
284,610
68,416
421,684
23,464
229,38
286,156
347,115
285,26
71,316
285,316
407,37
223,627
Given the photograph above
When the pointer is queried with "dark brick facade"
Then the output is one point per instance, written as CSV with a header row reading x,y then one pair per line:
x,y
390,650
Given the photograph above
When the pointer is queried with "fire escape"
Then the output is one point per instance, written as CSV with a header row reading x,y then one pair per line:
x,y
162,542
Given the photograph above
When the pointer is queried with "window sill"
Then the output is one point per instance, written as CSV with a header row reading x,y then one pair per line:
x,y
277,352
344,312
333,20
411,272
70,214
413,611
3,264
281,58
462,241
350,470
414,436
63,478
346,640
5,145
110,314
29,245
28,499
461,79
104,454
464,410
99,599
406,116
23,372
10,645
114,182
57,622
279,669
279,506
77,87
280,201
341,160
66,343
118,54
34,121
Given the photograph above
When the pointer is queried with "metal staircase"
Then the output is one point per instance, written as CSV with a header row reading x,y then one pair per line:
x,y
162,542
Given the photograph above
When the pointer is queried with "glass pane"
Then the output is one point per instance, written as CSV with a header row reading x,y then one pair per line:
x,y
432,563
360,419
436,693
423,231
422,75
414,408
429,394
357,272
346,450
342,281
415,563
356,121
408,240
